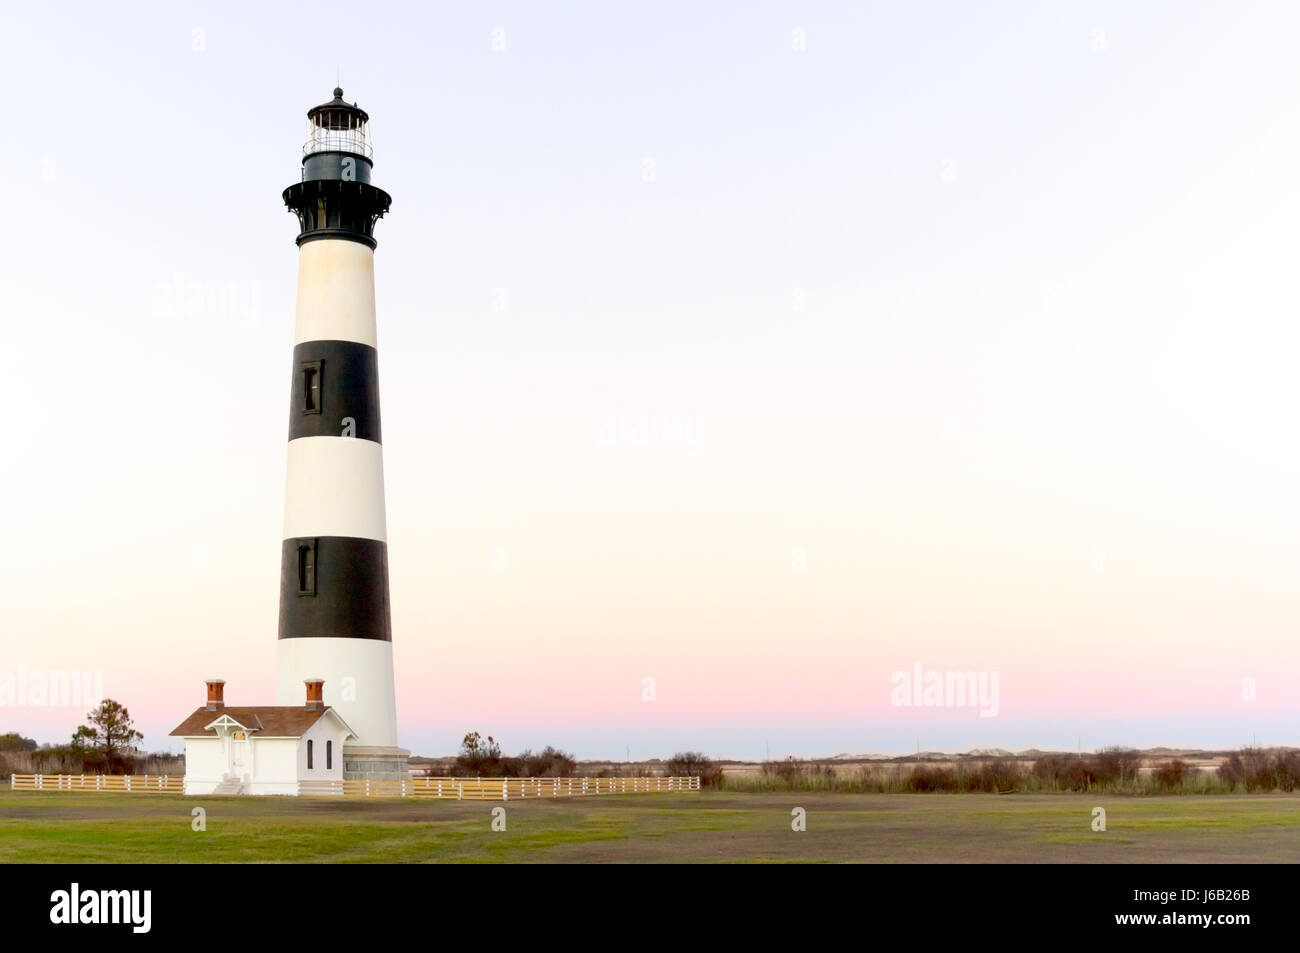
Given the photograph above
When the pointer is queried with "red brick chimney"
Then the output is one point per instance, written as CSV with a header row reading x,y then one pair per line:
x,y
216,687
315,693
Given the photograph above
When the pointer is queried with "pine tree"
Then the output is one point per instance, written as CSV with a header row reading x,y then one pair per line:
x,y
108,737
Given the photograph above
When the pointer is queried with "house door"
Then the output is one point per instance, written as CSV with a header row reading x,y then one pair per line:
x,y
239,755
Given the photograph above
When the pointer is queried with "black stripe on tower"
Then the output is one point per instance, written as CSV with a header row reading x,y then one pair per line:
x,y
335,391
334,587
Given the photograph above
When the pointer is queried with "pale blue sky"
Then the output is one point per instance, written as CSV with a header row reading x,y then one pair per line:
x,y
957,283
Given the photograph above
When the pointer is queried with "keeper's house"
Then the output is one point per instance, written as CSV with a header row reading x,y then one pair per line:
x,y
264,750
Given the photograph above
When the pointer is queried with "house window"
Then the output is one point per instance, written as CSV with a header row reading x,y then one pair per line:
x,y
309,754
307,567
311,372
329,755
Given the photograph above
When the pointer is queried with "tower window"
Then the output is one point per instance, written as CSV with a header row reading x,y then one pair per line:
x,y
307,567
329,755
308,754
311,372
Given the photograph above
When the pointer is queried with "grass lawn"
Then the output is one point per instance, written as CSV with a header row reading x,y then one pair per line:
x,y
55,827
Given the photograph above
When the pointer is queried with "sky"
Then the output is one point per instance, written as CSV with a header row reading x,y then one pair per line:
x,y
734,358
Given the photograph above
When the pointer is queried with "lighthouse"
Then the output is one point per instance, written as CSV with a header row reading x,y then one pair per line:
x,y
334,611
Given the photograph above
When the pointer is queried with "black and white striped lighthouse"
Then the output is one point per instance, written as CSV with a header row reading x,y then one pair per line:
x,y
334,611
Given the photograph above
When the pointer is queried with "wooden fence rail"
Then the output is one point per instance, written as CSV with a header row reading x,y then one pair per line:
x,y
467,789
133,783
498,789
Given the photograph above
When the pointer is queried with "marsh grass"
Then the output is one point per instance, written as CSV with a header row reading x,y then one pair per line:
x,y
1111,771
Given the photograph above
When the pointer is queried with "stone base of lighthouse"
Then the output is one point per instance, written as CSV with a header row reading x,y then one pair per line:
x,y
369,763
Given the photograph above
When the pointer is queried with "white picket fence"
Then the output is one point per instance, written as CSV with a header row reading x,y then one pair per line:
x,y
132,783
466,789
498,789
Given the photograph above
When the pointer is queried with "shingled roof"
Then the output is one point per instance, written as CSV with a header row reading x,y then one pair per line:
x,y
265,722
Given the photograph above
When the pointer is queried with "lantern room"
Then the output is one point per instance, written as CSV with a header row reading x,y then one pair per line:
x,y
336,126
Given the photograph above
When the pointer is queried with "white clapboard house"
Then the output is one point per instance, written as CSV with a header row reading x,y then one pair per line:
x,y
262,750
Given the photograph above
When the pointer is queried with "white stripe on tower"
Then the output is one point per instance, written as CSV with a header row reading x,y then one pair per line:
x,y
363,701
336,292
335,487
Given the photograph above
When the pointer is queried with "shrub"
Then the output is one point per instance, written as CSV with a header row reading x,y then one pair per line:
x,y
1287,770
1113,767
1257,770
550,762
1169,775
481,757
691,763
1063,772
998,774
788,770
1108,768
925,778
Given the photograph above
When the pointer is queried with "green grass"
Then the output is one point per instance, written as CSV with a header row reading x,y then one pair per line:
x,y
54,827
